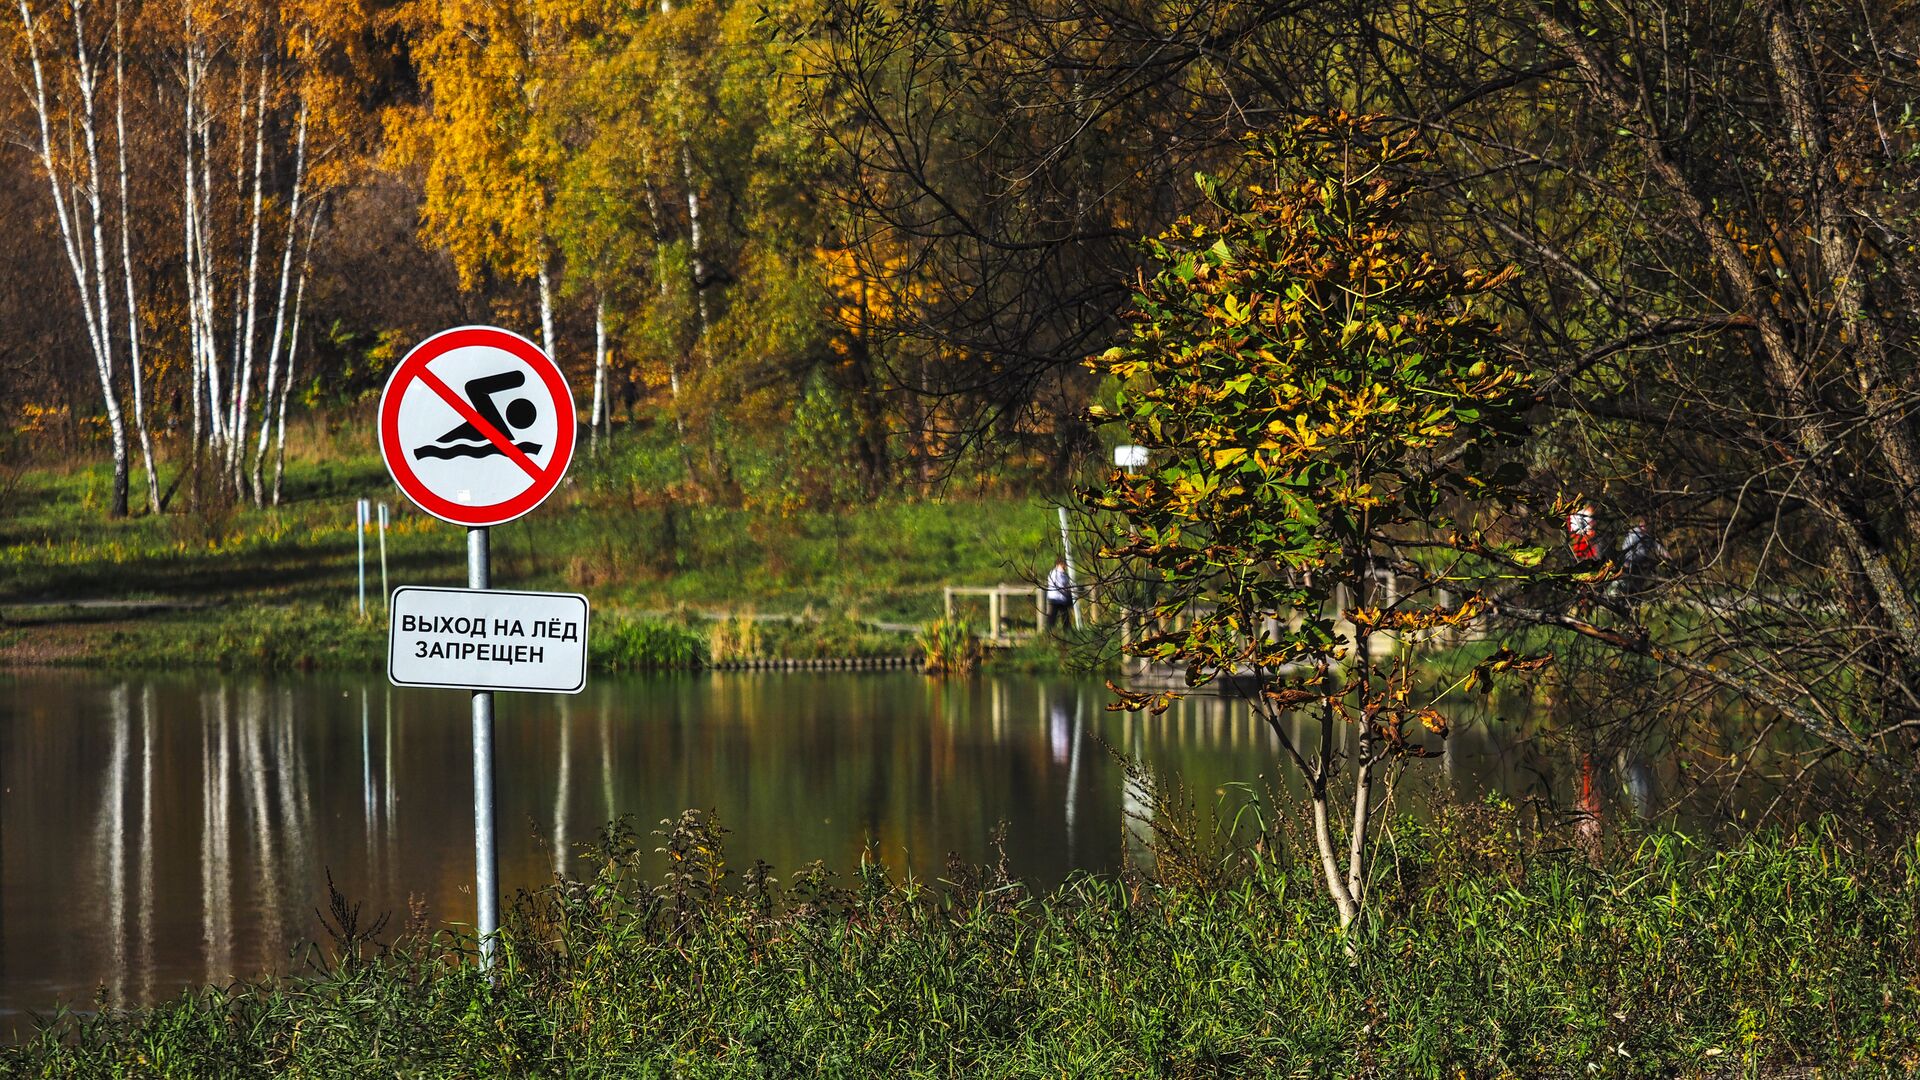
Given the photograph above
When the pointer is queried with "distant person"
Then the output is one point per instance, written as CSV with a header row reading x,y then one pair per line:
x,y
1059,596
1640,550
1583,532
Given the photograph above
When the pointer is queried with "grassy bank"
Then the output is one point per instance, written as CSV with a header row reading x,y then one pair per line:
x,y
230,585
1493,955
310,637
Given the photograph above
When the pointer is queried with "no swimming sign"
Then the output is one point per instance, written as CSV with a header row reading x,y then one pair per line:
x,y
476,425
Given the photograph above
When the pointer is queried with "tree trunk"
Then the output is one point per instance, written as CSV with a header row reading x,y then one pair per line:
x,y
1839,255
243,373
293,346
546,308
599,374
88,83
190,229
137,376
1362,689
268,396
1317,785
695,238
89,277
1789,376
205,304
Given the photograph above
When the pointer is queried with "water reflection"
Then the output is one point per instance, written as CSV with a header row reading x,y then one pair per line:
x,y
159,833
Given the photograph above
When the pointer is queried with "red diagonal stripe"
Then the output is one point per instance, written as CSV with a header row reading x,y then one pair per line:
x,y
472,416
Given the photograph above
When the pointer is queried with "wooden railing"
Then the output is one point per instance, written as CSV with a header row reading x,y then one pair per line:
x,y
1004,627
1007,622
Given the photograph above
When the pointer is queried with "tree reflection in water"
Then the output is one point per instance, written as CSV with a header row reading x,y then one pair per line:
x,y
163,832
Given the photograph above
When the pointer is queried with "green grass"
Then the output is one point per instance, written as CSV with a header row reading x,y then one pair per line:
x,y
300,637
1492,954
610,532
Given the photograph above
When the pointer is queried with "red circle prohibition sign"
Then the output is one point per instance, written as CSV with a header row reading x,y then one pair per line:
x,y
413,369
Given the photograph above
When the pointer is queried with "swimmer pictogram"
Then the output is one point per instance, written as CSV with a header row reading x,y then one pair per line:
x,y
467,440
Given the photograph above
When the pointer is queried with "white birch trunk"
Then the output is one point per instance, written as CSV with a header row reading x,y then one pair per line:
x,y
239,310
546,309
293,348
137,376
89,278
694,245
243,376
229,404
204,302
87,78
189,231
599,374
267,401
1323,836
1362,812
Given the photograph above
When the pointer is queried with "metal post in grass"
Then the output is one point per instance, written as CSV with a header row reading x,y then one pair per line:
x,y
1066,553
360,544
386,596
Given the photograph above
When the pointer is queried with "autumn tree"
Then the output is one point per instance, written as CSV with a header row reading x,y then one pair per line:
x,y
68,62
485,135
271,128
188,149
1326,409
1001,160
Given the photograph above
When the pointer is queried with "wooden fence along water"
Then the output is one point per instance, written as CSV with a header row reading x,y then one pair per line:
x,y
1007,624
1004,627
839,663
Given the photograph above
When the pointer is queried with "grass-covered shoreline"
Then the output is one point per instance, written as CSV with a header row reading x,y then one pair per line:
x,y
673,579
256,637
1492,953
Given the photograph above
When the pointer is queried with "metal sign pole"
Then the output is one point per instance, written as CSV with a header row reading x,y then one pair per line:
x,y
486,870
1066,553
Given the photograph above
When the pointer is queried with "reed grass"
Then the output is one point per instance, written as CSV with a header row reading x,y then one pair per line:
x,y
950,647
1491,954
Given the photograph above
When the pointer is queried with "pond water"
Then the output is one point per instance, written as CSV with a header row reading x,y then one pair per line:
x,y
158,833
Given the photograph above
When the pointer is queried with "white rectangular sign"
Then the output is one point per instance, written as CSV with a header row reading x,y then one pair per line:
x,y
487,639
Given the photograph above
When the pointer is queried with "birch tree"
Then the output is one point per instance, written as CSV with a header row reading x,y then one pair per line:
x,y
267,98
136,372
64,55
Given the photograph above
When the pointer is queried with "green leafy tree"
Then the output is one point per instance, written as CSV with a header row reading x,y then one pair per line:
x,y
1325,407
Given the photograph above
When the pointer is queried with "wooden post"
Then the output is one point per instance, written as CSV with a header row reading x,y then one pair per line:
x,y
948,593
993,613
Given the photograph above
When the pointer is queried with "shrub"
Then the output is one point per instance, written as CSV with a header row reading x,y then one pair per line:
x,y
646,645
950,646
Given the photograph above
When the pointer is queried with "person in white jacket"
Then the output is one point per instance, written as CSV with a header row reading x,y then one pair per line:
x,y
1059,595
